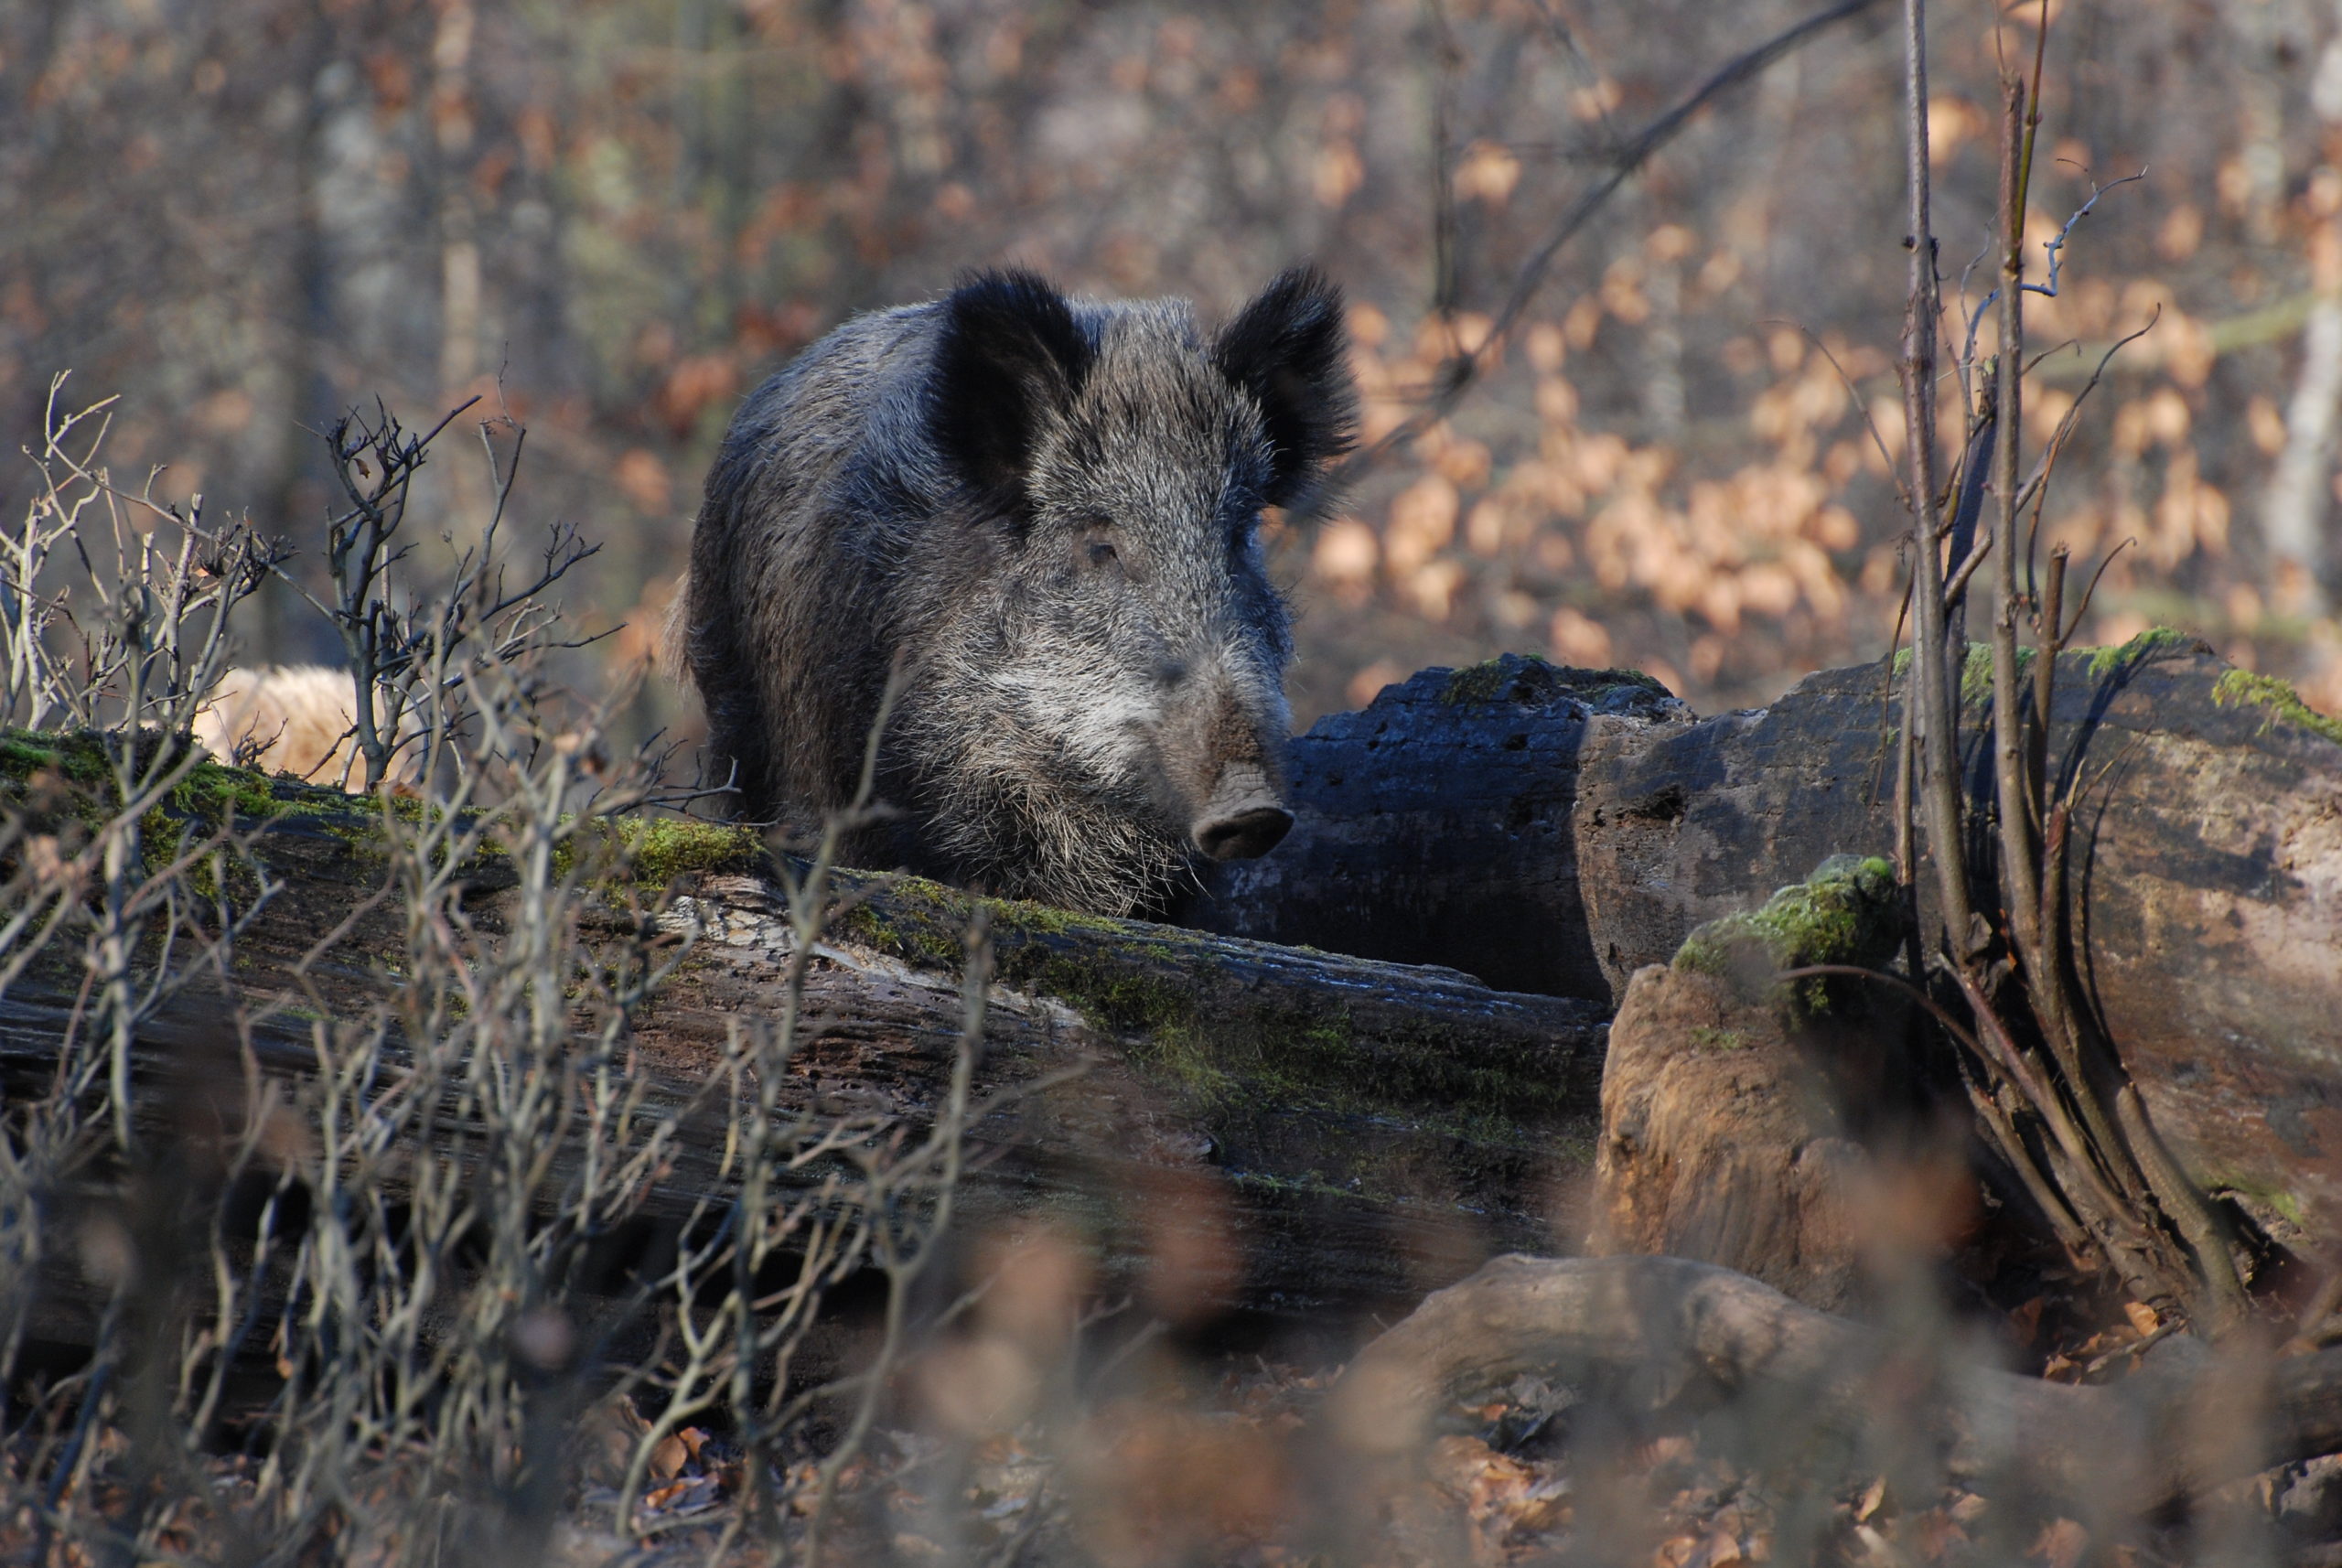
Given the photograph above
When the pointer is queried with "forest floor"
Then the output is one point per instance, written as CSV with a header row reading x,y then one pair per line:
x,y
1225,1470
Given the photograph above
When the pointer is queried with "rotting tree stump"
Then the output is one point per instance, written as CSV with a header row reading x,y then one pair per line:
x,y
1723,1140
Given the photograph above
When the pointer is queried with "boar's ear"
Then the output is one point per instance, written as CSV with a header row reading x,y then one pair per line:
x,y
1288,350
1012,357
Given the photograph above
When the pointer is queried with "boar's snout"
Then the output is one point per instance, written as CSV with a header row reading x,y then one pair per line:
x,y
1243,819
1247,835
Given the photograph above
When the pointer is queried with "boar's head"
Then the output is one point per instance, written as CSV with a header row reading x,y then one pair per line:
x,y
1111,691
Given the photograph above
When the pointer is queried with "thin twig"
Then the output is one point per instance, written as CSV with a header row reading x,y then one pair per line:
x,y
1458,374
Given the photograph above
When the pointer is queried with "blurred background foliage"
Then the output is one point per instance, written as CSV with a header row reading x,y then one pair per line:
x,y
617,214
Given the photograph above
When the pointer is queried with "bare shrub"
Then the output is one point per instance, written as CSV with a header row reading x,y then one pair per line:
x,y
358,1263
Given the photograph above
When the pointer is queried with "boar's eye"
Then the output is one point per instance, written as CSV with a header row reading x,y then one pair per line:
x,y
1095,548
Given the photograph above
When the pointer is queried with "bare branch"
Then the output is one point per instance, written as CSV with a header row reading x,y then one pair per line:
x,y
1457,375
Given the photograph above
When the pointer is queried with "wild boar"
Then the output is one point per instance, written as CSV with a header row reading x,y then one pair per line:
x,y
1046,511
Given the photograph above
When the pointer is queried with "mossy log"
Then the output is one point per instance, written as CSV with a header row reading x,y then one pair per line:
x,y
1367,1129
1556,830
1377,1127
1370,1126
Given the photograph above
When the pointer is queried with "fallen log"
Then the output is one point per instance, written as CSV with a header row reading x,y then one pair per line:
x,y
1601,823
1367,1130
1680,1339
1371,1126
1435,825
1380,1127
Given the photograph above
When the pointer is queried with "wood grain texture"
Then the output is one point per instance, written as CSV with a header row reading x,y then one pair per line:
x,y
1555,830
2205,862
1368,1129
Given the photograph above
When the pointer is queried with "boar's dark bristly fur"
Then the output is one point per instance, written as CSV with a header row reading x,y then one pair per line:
x,y
1046,510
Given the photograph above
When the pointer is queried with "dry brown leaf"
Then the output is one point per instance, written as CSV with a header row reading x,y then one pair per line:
x,y
1934,1534
674,1451
1663,1450
1675,1552
1504,1500
2060,1543
687,1496
1456,1463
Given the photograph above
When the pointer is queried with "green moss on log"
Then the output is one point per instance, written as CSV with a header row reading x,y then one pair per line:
x,y
1975,671
25,754
208,796
2220,1181
1847,912
1484,682
1976,674
1494,680
1207,1039
657,850
2278,697
2152,643
210,793
1976,663
215,793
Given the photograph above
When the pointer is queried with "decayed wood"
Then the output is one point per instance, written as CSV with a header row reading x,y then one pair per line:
x,y
1694,1336
1360,1119
1370,1129
2204,856
1377,1127
1435,826
1724,1139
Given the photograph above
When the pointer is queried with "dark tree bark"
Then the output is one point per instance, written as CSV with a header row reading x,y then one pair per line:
x,y
1594,826
1437,825
1367,1129
1378,1129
